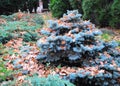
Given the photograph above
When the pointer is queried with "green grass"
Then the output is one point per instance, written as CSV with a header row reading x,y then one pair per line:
x,y
4,72
106,37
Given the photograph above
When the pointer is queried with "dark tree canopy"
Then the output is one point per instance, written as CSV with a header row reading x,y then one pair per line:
x,y
10,6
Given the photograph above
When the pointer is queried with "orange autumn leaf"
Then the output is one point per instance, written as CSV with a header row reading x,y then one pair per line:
x,y
71,14
20,15
59,22
16,50
42,40
10,67
63,42
90,26
48,29
5,57
9,44
19,74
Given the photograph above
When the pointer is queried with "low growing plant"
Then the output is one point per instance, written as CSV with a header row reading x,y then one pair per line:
x,y
14,29
51,80
4,72
20,25
30,36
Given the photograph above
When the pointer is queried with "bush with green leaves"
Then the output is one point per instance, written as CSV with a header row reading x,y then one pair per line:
x,y
30,36
97,11
76,5
73,42
4,72
102,13
115,14
55,6
9,17
59,7
51,80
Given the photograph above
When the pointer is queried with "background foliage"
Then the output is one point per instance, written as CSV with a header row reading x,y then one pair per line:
x,y
102,13
115,14
58,7
76,5
12,6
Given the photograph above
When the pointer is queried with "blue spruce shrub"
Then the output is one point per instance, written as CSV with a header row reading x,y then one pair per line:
x,y
71,39
75,42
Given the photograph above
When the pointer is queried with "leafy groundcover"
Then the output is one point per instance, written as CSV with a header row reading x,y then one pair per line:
x,y
20,25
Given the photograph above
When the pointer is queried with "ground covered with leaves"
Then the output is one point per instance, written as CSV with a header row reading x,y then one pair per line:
x,y
18,50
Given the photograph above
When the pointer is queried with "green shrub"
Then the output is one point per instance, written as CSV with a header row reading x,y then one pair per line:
x,y
98,11
8,18
101,12
16,26
13,29
59,7
115,14
28,24
76,5
4,72
30,36
5,39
